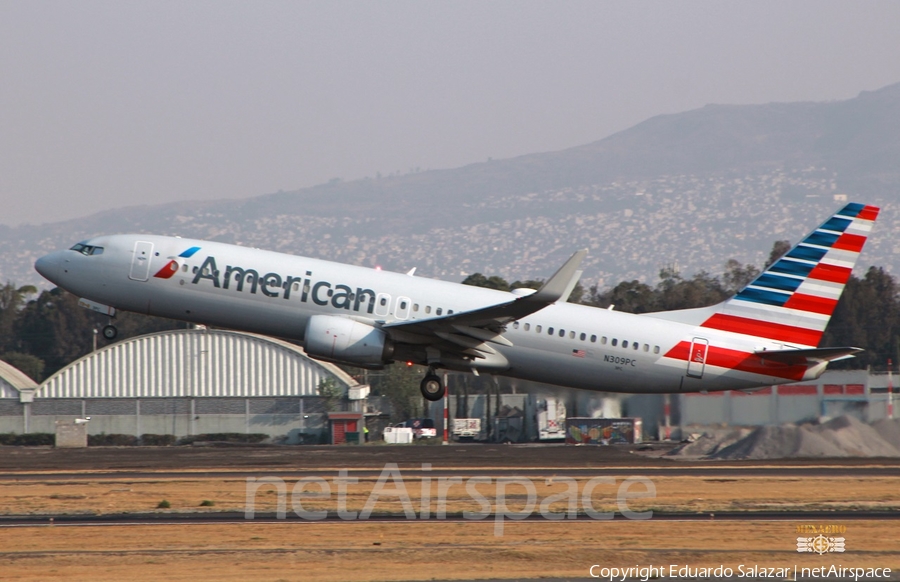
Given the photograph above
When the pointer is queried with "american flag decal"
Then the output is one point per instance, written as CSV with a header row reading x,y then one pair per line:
x,y
578,353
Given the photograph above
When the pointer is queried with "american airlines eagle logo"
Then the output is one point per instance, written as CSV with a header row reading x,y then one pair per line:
x,y
171,267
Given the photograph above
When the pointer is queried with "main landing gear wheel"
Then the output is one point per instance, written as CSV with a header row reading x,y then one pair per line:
x,y
110,332
431,387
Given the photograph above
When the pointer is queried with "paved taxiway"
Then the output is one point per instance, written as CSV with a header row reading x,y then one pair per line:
x,y
235,517
45,462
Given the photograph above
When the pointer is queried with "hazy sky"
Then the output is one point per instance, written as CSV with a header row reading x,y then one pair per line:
x,y
107,104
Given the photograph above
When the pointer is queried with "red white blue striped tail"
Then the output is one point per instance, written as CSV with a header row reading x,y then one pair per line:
x,y
792,301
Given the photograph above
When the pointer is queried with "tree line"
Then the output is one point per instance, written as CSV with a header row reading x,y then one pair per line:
x,y
41,332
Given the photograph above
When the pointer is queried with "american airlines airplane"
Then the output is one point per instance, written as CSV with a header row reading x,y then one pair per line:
x,y
766,334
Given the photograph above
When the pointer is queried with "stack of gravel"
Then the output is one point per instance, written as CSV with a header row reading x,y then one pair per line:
x,y
711,442
844,436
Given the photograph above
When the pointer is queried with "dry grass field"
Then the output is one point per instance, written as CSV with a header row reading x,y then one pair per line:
x,y
98,494
425,550
304,551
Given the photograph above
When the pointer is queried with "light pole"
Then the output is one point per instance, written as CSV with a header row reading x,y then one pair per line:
x,y
446,409
890,389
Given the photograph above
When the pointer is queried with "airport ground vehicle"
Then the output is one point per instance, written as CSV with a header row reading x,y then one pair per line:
x,y
551,419
466,428
421,427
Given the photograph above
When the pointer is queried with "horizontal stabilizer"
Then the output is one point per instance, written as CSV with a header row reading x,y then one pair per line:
x,y
806,356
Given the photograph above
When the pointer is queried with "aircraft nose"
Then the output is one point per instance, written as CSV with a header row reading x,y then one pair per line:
x,y
48,266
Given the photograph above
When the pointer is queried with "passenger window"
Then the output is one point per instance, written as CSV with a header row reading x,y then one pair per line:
x,y
537,329
383,301
402,304
655,349
583,336
515,325
184,267
562,333
593,339
615,342
196,269
646,348
449,312
624,343
439,310
571,335
603,341
415,306
636,345
549,331
427,309
527,326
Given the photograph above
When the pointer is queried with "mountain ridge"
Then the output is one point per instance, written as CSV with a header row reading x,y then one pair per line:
x,y
730,163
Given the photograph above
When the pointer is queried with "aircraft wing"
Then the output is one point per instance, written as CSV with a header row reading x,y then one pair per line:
x,y
466,332
810,355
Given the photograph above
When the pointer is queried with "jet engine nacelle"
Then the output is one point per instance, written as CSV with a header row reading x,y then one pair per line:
x,y
348,341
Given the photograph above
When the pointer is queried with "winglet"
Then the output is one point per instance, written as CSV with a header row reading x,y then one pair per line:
x,y
561,283
574,281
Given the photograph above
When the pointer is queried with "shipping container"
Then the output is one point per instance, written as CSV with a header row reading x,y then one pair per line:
x,y
603,431
397,435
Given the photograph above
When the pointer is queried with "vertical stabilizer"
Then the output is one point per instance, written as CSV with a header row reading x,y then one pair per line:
x,y
792,301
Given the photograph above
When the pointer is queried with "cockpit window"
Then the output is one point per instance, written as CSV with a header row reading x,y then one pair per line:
x,y
87,249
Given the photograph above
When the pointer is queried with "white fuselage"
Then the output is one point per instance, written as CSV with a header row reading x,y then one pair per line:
x,y
276,294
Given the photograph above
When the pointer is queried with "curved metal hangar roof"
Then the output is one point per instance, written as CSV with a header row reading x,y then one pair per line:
x,y
197,363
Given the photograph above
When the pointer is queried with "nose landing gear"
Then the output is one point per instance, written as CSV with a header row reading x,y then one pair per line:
x,y
432,388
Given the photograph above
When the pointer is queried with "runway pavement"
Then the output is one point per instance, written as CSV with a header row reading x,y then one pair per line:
x,y
712,471
462,459
238,517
